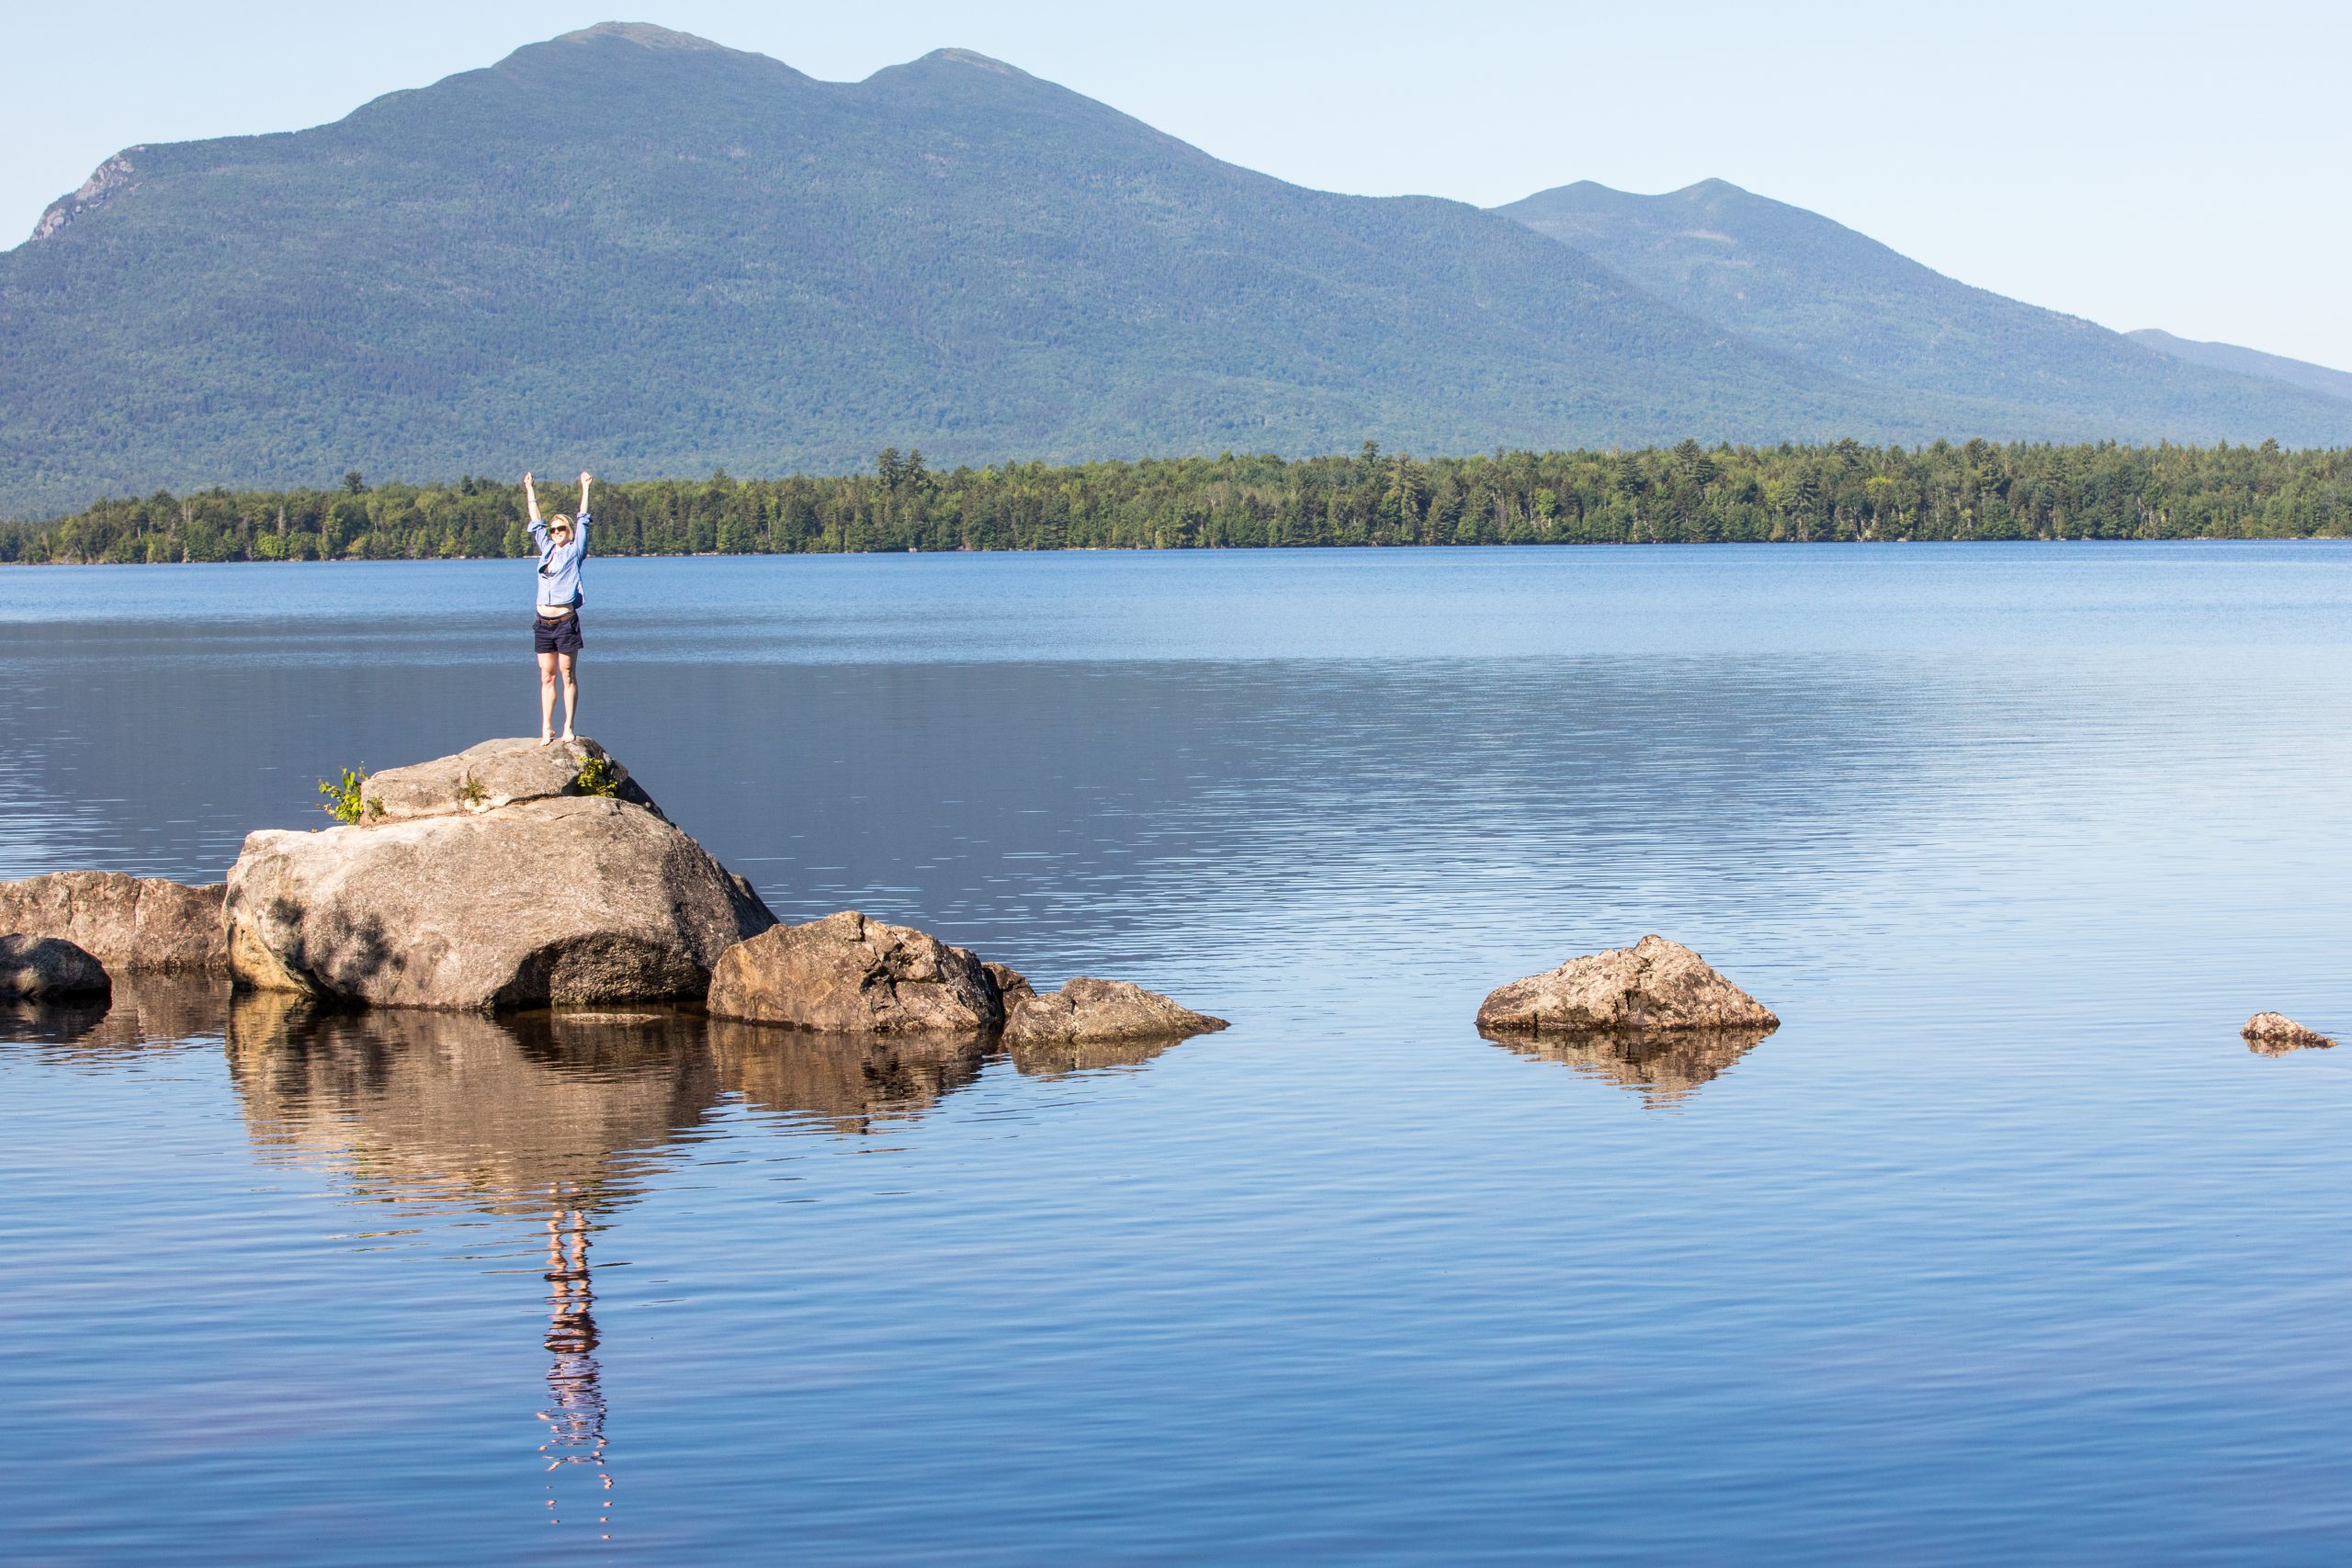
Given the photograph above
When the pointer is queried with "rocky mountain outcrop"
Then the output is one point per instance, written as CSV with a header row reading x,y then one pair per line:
x,y
1653,985
128,923
853,974
548,898
2275,1034
1100,1012
42,966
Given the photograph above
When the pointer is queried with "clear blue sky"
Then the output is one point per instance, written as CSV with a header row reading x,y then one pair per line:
x,y
2158,164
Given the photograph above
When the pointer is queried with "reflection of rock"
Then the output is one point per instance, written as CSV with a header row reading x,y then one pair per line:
x,y
493,1113
146,1012
127,923
2275,1034
1656,984
1664,1064
1053,1058
554,900
842,1081
847,973
1102,1011
494,773
45,967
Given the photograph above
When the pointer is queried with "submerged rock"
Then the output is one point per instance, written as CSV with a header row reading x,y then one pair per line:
x,y
498,773
40,967
553,899
2275,1034
1662,1065
851,975
1654,984
128,923
1090,1010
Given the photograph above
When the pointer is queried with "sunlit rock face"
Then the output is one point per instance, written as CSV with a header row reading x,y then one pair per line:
x,y
1091,1011
1654,984
850,974
128,923
2275,1034
546,900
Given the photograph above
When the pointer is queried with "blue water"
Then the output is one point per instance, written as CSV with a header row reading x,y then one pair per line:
x,y
2003,1248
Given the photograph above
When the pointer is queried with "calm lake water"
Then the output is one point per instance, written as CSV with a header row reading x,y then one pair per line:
x,y
2004,1248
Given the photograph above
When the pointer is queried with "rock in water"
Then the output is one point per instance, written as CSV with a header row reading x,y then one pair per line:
x,y
44,966
554,900
1011,985
498,773
2275,1034
1090,1010
128,923
850,975
1654,984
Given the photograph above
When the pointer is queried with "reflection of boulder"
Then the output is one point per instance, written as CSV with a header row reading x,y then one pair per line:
x,y
1054,1058
842,1081
1663,1064
1654,984
146,1012
497,1113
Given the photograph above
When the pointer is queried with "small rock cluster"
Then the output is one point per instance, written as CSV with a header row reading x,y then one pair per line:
x,y
2275,1034
1653,984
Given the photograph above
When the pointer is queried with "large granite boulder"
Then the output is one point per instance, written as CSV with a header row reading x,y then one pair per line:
x,y
2275,1034
1654,984
43,967
499,773
128,923
1100,1011
850,975
556,899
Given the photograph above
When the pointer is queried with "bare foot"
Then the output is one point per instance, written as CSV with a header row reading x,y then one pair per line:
x,y
569,737
546,738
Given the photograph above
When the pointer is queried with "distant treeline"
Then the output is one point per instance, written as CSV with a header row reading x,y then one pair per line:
x,y
1683,494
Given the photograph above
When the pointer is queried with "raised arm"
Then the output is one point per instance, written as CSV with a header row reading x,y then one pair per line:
x,y
531,505
585,481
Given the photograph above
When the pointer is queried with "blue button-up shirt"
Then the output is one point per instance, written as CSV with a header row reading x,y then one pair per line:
x,y
559,564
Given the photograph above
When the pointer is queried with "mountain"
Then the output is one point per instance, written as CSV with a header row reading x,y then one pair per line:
x,y
637,251
2248,362
1793,280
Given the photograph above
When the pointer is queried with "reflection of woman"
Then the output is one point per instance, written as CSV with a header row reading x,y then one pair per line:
x,y
555,630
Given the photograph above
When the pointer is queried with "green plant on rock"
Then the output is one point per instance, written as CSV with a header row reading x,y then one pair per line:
x,y
596,776
348,800
471,792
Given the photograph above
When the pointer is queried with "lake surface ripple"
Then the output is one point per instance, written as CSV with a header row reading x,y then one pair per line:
x,y
2003,1248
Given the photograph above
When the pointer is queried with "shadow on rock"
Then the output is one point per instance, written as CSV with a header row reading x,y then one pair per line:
x,y
1664,1066
491,1113
842,1081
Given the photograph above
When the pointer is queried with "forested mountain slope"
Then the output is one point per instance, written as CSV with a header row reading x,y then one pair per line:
x,y
2248,362
636,251
1793,280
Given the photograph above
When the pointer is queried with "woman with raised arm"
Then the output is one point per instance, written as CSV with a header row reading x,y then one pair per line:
x,y
555,629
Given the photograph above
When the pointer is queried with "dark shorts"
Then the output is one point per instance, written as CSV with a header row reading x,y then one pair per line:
x,y
560,635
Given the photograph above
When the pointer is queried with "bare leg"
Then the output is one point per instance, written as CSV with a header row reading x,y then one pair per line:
x,y
547,694
571,690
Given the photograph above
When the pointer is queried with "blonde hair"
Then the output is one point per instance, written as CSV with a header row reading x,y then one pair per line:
x,y
560,520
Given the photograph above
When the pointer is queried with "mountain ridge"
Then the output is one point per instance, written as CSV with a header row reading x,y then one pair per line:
x,y
658,255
